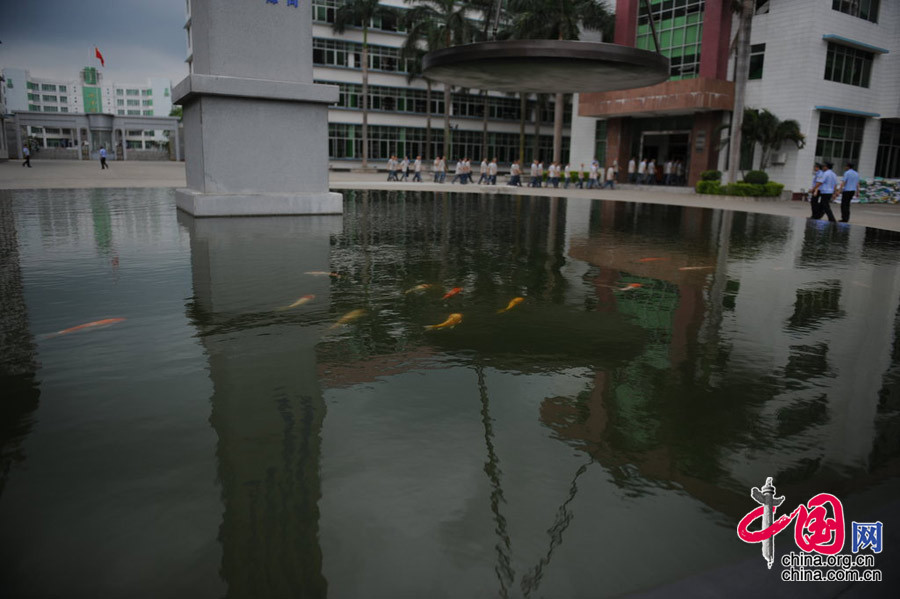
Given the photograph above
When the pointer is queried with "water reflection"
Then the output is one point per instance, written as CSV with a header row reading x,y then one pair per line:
x,y
267,407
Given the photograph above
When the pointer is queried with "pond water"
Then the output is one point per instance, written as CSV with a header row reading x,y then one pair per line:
x,y
599,438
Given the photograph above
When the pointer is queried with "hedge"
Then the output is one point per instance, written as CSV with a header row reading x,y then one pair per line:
x,y
770,189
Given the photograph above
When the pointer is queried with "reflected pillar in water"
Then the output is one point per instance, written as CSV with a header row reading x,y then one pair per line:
x,y
18,362
255,124
267,407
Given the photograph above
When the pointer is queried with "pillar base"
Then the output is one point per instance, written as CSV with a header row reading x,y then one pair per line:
x,y
200,204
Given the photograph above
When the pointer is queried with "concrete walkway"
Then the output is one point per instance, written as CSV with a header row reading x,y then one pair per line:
x,y
67,174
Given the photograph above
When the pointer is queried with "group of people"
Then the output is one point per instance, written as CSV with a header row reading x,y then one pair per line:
x,y
26,154
646,172
825,186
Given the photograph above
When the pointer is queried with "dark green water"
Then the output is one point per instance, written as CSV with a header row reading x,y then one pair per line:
x,y
590,442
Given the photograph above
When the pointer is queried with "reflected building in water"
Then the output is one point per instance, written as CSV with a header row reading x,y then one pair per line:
x,y
267,406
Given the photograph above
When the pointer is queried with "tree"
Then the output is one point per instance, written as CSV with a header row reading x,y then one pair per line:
x,y
558,20
413,57
766,129
361,13
434,25
741,72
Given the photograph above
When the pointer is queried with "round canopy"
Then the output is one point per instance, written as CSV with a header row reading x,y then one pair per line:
x,y
546,66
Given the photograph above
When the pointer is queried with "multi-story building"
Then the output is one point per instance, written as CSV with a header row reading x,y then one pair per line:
x,y
87,93
398,109
831,65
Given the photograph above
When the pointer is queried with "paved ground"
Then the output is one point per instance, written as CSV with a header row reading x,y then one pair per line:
x,y
61,174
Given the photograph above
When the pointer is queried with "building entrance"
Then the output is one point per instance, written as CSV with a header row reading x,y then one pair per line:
x,y
667,145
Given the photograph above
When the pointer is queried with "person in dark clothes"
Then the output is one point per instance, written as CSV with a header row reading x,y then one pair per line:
x,y
849,189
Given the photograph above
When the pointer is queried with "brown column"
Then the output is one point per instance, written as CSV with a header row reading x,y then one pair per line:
x,y
626,22
703,154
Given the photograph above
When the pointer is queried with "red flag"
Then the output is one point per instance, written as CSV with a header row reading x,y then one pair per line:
x,y
100,56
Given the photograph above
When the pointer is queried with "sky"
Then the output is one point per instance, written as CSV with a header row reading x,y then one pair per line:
x,y
56,38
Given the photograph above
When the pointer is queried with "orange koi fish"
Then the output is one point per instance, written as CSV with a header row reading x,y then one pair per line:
x,y
630,287
303,300
512,304
452,321
652,259
417,288
452,292
90,325
349,317
694,267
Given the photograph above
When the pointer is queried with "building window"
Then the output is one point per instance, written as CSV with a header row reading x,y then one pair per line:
x,y
148,102
133,133
34,97
120,102
147,92
47,98
757,56
887,164
600,142
64,109
134,113
848,65
9,83
122,112
132,92
34,108
148,113
166,93
328,52
64,99
679,26
864,9
133,102
120,92
48,87
51,109
62,89
840,137
30,85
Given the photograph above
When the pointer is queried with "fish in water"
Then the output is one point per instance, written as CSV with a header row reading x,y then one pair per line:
x,y
652,259
452,292
630,287
417,288
694,267
322,273
512,304
452,321
303,300
90,325
349,317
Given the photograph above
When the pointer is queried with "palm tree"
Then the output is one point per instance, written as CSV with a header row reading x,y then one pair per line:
x,y
414,62
437,24
766,129
741,72
558,20
357,13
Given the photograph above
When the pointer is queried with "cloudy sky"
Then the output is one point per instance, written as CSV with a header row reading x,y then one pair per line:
x,y
56,38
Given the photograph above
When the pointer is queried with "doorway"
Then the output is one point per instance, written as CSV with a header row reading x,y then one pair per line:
x,y
667,145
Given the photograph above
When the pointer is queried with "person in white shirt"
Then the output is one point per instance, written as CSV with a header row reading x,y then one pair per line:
x,y
437,172
26,154
483,171
553,175
632,170
651,172
417,169
467,171
442,169
642,172
567,174
610,178
594,175
515,174
679,172
534,174
404,168
492,171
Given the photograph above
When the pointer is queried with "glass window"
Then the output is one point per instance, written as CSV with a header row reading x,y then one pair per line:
x,y
848,65
64,109
30,85
9,83
120,92
132,92
34,97
122,112
148,103
887,163
840,137
133,102
679,27
120,102
48,87
48,98
147,92
134,113
148,113
62,89
864,9
757,56
34,108
51,109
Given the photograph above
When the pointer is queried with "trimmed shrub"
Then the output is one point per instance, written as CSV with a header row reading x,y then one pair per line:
x,y
756,178
744,189
709,187
711,176
773,189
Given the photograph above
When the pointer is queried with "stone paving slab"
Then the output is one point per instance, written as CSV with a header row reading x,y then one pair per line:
x,y
67,174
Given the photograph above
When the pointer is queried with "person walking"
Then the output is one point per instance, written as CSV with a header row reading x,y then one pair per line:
x,y
492,171
632,170
594,175
616,170
814,191
581,177
515,174
567,175
849,189
436,165
534,174
610,177
404,168
483,172
642,172
417,169
26,153
442,169
103,164
826,187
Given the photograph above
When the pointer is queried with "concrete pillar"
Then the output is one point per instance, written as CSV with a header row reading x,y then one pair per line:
x,y
124,143
703,154
868,153
19,138
582,141
255,124
177,144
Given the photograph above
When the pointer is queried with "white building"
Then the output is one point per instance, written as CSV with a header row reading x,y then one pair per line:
x,y
834,67
87,93
397,118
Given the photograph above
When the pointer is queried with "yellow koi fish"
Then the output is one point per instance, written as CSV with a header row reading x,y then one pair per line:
x,y
418,288
694,267
512,304
303,300
349,317
630,287
452,321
